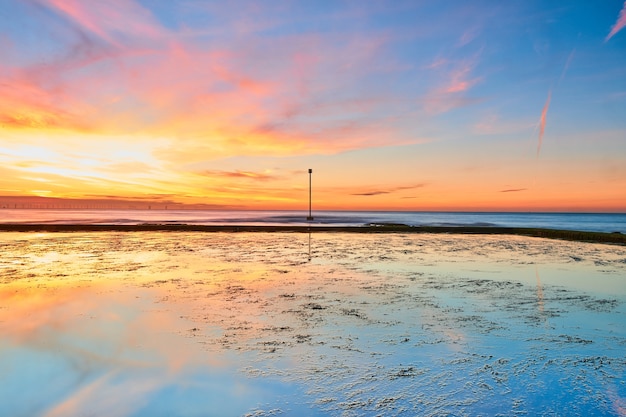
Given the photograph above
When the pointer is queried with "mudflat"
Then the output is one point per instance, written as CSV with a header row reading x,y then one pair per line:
x,y
289,323
583,236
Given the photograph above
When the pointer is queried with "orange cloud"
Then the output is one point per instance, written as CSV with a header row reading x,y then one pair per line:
x,y
512,190
257,176
26,105
375,192
619,24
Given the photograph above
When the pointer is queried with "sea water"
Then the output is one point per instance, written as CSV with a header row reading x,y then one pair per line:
x,y
596,222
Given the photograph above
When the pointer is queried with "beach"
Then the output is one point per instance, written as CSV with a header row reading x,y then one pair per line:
x,y
263,323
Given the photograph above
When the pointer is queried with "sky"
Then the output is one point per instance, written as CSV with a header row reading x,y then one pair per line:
x,y
394,105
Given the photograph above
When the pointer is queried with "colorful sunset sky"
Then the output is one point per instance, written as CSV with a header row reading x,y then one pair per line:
x,y
396,105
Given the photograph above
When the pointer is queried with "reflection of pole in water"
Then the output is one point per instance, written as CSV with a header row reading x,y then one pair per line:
x,y
310,215
309,246
539,292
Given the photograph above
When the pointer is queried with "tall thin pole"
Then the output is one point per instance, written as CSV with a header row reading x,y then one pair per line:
x,y
310,215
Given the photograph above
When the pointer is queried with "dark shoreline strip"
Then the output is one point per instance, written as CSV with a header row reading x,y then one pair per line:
x,y
596,237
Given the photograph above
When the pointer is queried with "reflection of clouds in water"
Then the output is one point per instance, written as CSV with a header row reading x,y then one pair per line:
x,y
108,322
118,399
618,403
370,324
114,350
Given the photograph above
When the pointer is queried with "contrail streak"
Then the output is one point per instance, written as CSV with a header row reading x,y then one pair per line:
x,y
619,24
567,63
542,122
544,112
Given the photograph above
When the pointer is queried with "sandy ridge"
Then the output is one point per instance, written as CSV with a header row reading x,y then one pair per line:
x,y
582,236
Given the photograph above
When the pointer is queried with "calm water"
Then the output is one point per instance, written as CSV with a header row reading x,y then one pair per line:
x,y
599,222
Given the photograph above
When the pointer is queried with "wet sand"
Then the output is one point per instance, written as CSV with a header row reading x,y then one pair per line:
x,y
327,323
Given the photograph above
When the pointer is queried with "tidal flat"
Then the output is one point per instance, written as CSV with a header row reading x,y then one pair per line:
x,y
295,324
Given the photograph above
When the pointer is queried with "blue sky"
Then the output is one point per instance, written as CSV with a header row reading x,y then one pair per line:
x,y
409,105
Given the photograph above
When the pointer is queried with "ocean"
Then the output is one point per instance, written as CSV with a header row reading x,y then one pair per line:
x,y
595,222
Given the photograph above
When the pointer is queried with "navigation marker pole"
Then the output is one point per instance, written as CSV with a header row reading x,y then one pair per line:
x,y
310,216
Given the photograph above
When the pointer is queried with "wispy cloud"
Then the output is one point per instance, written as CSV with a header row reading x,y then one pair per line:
x,y
619,24
492,124
468,36
542,122
439,62
512,190
115,25
161,198
457,80
371,193
375,192
247,175
461,80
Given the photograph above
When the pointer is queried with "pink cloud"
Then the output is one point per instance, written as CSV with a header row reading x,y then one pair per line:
x,y
460,78
109,21
542,122
460,82
455,79
619,24
239,94
24,105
